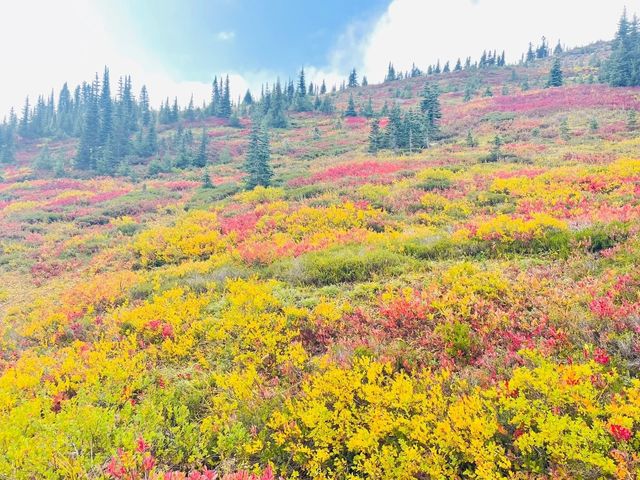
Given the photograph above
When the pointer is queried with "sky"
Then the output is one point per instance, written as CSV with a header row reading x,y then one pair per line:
x,y
175,47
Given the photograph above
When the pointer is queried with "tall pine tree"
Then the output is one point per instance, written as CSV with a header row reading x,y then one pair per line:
x,y
258,161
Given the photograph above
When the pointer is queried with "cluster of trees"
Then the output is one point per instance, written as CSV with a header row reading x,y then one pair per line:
x,y
108,123
275,101
541,51
412,130
7,139
487,59
623,67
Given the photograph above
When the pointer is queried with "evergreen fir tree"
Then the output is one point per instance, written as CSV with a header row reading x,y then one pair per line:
x,y
248,99
351,108
214,107
471,142
624,58
395,129
190,112
543,49
276,117
106,110
531,56
145,109
225,106
391,74
430,107
200,160
365,82
302,101
23,128
458,66
327,106
555,75
367,110
376,138
150,142
89,140
302,86
323,88
206,180
174,114
558,50
353,79
257,164
65,111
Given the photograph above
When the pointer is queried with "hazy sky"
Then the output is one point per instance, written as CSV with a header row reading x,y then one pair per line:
x,y
176,46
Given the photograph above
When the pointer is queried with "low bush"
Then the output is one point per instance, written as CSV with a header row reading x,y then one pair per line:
x,y
342,265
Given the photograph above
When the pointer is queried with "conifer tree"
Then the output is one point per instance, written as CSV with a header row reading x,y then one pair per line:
x,y
65,111
276,117
458,66
302,85
622,66
391,73
23,128
327,106
531,56
225,106
376,138
367,110
365,82
150,142
323,88
106,110
555,75
257,163
353,79
395,129
174,114
200,160
302,103
471,142
543,49
496,152
145,109
351,108
206,180
430,107
558,50
190,112
89,140
214,107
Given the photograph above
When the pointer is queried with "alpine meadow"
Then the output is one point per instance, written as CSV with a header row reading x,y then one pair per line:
x,y
431,276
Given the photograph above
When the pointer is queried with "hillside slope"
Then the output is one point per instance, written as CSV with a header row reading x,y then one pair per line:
x,y
470,310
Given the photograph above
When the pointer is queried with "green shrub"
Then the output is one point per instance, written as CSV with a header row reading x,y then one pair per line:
x,y
307,191
431,184
458,338
341,265
601,237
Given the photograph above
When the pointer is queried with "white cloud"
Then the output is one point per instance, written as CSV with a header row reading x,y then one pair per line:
x,y
47,44
423,31
226,36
